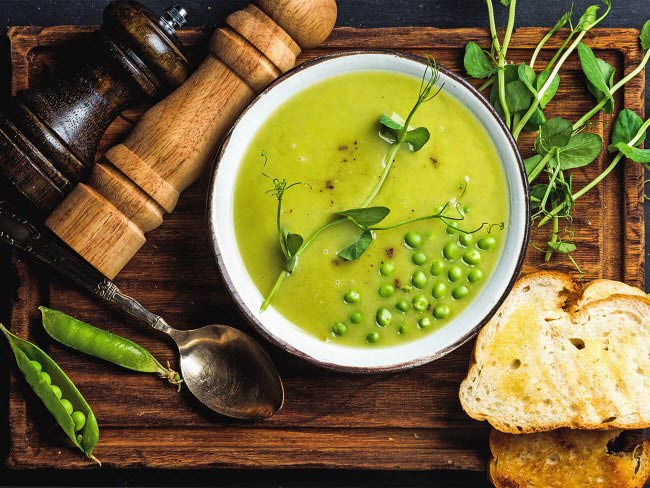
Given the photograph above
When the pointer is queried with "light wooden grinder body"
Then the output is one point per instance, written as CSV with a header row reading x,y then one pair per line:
x,y
105,219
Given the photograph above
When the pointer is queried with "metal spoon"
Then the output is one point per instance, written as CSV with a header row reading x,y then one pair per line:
x,y
223,367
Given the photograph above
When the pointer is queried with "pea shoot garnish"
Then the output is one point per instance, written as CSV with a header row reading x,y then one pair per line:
x,y
520,94
365,216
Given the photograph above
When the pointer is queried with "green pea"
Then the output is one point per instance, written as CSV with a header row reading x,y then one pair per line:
x,y
419,279
373,337
452,228
45,377
57,391
466,239
455,273
475,276
386,290
424,323
467,210
413,240
472,257
339,329
451,250
486,243
37,366
441,312
419,258
402,306
403,329
460,292
437,268
386,269
356,317
439,290
383,317
79,420
420,303
352,297
67,405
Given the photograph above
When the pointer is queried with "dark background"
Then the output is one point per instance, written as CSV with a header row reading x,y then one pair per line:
x,y
354,13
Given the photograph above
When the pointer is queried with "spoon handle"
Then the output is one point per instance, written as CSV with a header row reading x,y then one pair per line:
x,y
41,243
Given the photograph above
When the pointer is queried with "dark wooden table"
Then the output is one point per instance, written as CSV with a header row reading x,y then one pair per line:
x,y
356,13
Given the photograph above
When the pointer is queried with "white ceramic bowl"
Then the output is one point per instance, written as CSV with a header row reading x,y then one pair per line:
x,y
271,324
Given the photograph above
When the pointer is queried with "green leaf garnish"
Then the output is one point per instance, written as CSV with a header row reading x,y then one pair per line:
x,y
358,247
537,193
626,126
562,247
582,149
555,133
549,94
392,131
634,153
365,217
293,243
532,162
476,62
645,36
588,19
518,96
600,75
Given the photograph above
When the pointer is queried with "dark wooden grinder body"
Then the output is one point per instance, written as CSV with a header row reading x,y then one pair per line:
x,y
49,135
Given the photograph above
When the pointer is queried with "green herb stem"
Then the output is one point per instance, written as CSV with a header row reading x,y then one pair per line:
x,y
585,118
517,131
554,73
388,162
537,170
556,229
487,84
283,246
276,287
558,25
557,54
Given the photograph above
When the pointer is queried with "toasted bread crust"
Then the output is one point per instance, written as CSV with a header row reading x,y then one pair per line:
x,y
566,459
578,307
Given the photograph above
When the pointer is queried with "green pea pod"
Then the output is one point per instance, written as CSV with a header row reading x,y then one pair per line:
x,y
104,345
26,352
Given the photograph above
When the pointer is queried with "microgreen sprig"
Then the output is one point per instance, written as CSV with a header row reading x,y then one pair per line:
x,y
560,145
401,135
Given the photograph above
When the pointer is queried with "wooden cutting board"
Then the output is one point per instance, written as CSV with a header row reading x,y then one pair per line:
x,y
411,420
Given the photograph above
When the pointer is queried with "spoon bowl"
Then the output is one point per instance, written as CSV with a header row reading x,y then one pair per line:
x,y
229,372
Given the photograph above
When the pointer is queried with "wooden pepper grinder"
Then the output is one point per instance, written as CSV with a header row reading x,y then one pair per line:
x,y
105,219
49,135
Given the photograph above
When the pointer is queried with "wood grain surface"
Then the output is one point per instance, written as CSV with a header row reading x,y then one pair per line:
x,y
410,420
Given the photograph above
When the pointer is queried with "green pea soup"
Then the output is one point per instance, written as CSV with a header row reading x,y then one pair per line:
x,y
413,279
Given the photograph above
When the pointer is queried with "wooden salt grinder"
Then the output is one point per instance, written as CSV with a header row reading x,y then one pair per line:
x,y
49,134
142,178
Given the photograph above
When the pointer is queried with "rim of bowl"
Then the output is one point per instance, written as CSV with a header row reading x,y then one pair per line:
x,y
290,348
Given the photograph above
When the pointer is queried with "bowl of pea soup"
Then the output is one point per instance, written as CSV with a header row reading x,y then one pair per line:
x,y
369,212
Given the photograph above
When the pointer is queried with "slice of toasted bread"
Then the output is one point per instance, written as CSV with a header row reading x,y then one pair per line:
x,y
568,459
550,359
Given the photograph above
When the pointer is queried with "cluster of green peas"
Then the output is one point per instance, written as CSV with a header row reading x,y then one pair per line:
x,y
78,418
470,257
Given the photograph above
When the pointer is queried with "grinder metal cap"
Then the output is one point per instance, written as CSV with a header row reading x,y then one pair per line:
x,y
149,40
